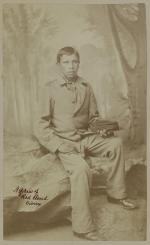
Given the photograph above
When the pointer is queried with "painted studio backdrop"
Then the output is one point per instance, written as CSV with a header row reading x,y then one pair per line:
x,y
111,40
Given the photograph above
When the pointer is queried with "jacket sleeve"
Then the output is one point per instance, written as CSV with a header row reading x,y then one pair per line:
x,y
93,109
43,129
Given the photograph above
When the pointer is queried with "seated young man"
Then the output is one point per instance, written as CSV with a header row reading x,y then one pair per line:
x,y
64,129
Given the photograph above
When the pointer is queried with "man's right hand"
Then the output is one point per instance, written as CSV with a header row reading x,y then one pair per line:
x,y
67,148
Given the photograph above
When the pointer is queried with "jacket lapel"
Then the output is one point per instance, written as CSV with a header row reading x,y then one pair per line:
x,y
80,93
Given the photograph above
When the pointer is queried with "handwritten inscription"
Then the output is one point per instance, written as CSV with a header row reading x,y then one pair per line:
x,y
31,196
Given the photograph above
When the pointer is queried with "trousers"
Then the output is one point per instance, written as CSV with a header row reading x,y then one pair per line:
x,y
81,176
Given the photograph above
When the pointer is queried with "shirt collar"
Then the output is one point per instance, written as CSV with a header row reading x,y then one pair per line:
x,y
65,81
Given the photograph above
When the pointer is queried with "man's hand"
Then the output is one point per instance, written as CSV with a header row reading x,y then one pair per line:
x,y
67,148
105,133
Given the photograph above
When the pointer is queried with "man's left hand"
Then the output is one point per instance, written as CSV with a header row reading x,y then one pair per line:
x,y
105,133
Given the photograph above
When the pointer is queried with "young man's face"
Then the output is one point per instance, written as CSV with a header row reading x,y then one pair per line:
x,y
69,65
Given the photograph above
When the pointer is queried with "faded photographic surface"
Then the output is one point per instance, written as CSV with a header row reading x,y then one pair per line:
x,y
111,41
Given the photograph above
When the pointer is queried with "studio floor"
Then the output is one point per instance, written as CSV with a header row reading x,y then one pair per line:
x,y
113,223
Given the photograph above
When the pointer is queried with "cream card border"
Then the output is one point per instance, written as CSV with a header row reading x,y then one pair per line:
x,y
147,3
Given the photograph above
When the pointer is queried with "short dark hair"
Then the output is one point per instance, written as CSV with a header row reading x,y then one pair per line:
x,y
67,51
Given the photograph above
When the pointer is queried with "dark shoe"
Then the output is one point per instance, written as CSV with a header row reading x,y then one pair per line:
x,y
125,203
92,236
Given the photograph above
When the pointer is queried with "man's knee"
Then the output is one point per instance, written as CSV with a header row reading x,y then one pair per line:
x,y
115,146
116,142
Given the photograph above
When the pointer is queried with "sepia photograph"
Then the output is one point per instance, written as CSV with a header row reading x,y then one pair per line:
x,y
74,121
